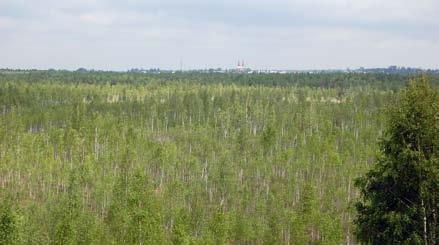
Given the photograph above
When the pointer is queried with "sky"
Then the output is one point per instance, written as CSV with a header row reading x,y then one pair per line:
x,y
195,34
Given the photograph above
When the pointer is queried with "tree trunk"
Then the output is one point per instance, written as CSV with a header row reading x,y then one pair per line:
x,y
424,218
433,228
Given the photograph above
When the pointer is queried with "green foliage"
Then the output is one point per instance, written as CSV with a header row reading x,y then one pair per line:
x,y
399,193
135,216
187,158
181,233
72,223
309,215
268,137
9,224
219,227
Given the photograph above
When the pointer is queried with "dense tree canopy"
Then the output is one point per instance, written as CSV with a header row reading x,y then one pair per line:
x,y
400,193
127,158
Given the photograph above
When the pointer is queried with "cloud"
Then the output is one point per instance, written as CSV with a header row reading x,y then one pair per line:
x,y
277,33
7,23
97,18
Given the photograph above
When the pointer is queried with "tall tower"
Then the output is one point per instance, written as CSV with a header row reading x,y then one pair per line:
x,y
240,66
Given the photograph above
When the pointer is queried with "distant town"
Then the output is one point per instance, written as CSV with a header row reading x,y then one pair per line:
x,y
241,68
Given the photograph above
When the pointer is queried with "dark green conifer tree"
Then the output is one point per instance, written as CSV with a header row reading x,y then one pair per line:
x,y
9,224
399,195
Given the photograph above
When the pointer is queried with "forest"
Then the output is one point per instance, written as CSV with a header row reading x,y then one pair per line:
x,y
186,158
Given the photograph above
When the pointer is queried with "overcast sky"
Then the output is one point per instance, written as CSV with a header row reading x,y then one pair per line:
x,y
276,34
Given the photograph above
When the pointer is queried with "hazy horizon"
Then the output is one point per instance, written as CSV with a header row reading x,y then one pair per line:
x,y
278,34
207,68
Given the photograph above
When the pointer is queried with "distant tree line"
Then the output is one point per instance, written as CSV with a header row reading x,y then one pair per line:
x,y
315,80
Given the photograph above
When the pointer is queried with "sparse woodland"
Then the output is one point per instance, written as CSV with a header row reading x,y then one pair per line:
x,y
120,158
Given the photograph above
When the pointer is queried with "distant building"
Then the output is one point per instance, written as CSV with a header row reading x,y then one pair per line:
x,y
240,67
